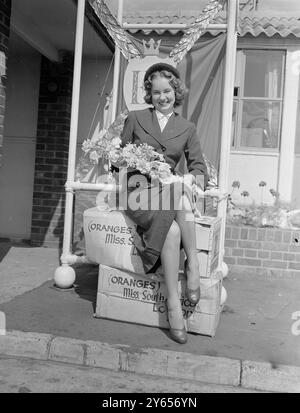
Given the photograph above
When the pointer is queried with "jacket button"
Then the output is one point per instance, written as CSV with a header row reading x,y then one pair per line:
x,y
163,149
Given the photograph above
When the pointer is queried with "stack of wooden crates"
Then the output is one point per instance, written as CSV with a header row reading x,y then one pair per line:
x,y
140,299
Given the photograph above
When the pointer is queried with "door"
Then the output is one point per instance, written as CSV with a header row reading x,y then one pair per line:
x,y
18,152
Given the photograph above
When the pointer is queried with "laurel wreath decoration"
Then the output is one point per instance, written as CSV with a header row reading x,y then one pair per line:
x,y
116,31
197,27
129,50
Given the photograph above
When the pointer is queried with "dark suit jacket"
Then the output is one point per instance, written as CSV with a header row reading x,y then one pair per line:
x,y
178,137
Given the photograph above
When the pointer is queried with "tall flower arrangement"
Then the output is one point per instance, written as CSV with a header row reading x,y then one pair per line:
x,y
103,146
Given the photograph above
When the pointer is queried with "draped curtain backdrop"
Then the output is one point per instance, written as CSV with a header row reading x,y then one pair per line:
x,y
202,70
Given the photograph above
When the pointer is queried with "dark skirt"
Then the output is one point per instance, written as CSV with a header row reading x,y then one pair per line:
x,y
152,207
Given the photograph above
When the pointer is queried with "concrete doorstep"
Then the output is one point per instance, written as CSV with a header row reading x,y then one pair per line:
x,y
205,369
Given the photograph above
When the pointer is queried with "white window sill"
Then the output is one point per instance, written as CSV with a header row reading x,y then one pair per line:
x,y
256,153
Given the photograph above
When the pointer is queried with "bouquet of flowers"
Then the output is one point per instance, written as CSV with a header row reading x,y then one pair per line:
x,y
107,146
145,159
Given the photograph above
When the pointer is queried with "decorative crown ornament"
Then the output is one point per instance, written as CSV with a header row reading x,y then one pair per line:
x,y
151,48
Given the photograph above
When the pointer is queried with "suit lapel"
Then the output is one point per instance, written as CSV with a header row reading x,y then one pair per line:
x,y
176,126
148,121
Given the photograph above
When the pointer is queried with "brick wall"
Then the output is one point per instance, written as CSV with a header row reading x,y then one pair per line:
x,y
263,250
5,10
52,153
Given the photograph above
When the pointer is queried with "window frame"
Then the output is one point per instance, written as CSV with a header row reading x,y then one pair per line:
x,y
297,131
239,100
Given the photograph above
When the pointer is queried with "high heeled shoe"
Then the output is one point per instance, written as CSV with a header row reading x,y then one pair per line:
x,y
193,295
177,334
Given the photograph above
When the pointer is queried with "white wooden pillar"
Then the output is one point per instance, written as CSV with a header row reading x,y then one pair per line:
x,y
64,276
116,68
227,106
289,122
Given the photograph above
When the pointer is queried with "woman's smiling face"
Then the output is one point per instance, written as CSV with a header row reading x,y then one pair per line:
x,y
163,95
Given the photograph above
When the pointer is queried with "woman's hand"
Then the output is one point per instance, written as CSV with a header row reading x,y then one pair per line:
x,y
121,164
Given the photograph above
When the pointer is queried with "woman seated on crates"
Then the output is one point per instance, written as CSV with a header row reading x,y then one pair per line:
x,y
161,232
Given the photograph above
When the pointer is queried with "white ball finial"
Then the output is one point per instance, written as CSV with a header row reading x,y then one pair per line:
x,y
224,269
223,296
64,277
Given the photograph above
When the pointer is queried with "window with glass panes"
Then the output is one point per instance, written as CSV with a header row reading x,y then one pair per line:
x,y
258,100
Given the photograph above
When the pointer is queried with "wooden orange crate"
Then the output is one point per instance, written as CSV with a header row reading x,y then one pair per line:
x,y
135,298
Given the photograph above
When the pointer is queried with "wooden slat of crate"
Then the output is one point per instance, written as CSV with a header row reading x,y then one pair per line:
x,y
205,324
208,263
207,232
109,239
